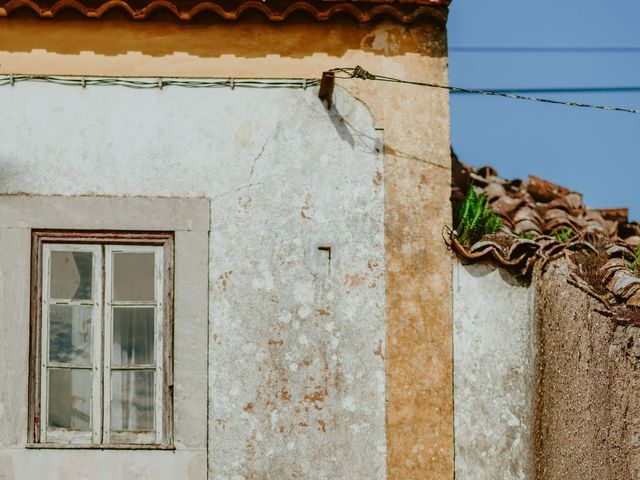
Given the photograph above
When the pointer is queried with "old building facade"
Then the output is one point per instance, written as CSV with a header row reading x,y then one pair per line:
x,y
216,265
224,283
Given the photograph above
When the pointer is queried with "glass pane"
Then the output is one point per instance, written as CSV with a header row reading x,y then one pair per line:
x,y
69,399
132,404
133,340
71,275
70,334
133,277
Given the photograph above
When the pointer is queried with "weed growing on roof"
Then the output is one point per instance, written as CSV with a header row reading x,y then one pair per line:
x,y
563,234
476,218
589,266
527,236
634,263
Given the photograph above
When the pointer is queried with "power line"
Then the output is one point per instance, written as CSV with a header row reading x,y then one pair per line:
x,y
361,73
579,50
560,90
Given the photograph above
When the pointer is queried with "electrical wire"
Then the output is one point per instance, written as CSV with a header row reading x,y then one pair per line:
x,y
361,73
293,83
147,83
563,90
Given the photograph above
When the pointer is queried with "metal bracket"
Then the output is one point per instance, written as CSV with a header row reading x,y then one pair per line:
x,y
326,88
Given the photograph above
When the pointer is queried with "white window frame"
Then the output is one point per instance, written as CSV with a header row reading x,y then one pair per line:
x,y
103,249
62,435
133,437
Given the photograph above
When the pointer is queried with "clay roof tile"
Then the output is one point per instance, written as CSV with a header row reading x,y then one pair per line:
x,y
405,11
634,300
633,242
533,214
543,190
495,190
505,205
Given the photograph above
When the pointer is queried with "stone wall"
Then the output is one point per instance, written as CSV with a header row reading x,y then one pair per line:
x,y
545,384
588,414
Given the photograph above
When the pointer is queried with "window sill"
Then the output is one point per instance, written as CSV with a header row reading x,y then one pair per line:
x,y
70,446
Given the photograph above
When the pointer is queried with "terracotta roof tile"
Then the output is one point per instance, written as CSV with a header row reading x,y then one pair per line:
x,y
405,11
533,212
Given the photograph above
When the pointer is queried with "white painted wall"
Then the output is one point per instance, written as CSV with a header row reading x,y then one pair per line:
x,y
494,366
295,387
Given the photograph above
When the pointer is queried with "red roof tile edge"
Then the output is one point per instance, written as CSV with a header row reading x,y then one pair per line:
x,y
405,11
532,213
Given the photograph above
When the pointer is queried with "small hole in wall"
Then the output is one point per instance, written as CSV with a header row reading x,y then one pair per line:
x,y
326,250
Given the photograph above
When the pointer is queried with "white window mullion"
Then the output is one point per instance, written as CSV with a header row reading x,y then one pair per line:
x,y
96,320
106,370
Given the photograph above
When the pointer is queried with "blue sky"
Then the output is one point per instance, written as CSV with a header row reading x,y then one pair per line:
x,y
591,151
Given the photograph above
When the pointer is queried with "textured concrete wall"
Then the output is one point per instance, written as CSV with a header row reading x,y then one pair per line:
x,y
494,374
587,414
297,371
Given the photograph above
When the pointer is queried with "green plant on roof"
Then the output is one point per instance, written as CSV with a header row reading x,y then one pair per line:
x,y
634,263
476,218
563,234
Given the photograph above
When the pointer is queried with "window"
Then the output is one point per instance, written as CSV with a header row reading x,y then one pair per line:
x,y
102,338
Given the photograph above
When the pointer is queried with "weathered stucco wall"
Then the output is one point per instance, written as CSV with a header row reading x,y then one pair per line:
x,y
494,374
588,414
253,47
416,180
297,370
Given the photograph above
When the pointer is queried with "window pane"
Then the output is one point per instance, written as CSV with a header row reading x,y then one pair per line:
x,y
133,277
69,399
71,275
133,336
132,405
70,334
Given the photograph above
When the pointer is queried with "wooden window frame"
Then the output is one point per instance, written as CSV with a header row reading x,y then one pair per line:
x,y
105,242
